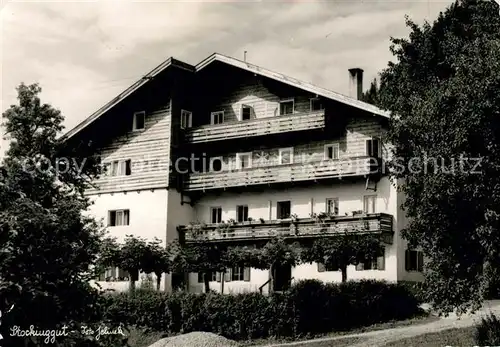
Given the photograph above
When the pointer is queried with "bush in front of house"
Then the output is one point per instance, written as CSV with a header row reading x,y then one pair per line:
x,y
488,331
310,307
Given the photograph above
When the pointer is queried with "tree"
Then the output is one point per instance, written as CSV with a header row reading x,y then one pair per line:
x,y
340,251
443,93
371,96
157,260
135,254
202,257
47,245
274,254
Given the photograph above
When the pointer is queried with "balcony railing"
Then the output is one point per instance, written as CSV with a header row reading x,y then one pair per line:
x,y
256,127
281,174
374,223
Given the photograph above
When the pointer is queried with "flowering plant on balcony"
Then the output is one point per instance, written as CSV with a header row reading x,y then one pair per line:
x,y
223,228
196,228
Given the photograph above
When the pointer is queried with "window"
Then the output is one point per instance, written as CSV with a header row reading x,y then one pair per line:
x,y
211,277
244,160
118,218
332,151
217,117
369,203
332,207
186,119
316,105
330,267
216,164
242,213
246,112
286,155
414,260
283,209
139,120
235,274
120,168
215,214
287,107
114,168
127,167
376,263
373,148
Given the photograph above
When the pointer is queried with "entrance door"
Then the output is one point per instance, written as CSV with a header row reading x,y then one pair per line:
x,y
282,277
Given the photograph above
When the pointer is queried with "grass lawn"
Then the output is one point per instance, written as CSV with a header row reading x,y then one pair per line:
x,y
348,341
424,319
450,337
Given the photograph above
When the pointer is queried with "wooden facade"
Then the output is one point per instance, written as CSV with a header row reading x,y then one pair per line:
x,y
149,153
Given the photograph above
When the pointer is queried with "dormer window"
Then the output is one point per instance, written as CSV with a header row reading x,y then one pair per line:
x,y
246,112
217,117
287,106
139,121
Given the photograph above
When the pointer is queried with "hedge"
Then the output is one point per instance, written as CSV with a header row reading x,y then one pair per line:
x,y
310,307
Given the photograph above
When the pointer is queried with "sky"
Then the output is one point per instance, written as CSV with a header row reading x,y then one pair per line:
x,y
85,53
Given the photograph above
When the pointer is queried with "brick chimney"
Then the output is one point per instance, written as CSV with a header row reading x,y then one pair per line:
x,y
356,83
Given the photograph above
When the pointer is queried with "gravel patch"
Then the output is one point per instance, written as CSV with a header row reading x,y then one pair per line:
x,y
195,339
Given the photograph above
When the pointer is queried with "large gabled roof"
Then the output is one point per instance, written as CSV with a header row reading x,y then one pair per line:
x,y
232,62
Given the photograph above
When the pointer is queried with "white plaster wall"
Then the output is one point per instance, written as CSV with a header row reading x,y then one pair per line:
x,y
305,201
148,213
148,219
177,214
404,275
257,278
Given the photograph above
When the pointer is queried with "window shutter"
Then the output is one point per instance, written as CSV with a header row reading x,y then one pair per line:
x,y
381,262
246,274
126,216
227,275
368,148
420,265
321,267
200,277
217,276
360,266
407,260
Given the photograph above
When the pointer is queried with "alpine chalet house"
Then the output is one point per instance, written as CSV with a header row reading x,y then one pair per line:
x,y
237,152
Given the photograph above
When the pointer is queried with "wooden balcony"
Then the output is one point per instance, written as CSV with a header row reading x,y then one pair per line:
x,y
374,223
256,127
298,172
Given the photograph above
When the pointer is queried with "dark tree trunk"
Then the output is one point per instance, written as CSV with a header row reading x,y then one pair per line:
x,y
344,273
134,276
158,281
206,281
273,276
222,278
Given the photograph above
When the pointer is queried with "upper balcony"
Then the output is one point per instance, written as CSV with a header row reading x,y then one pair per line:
x,y
373,223
256,127
298,172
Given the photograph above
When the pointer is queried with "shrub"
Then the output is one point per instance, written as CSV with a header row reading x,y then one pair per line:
x,y
488,331
310,307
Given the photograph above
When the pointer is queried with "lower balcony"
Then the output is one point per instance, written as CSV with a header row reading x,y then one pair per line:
x,y
374,223
299,172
